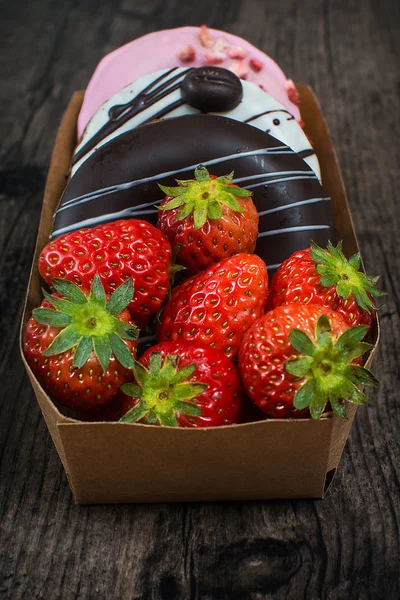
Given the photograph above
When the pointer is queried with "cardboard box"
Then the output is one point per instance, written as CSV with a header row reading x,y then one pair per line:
x,y
118,462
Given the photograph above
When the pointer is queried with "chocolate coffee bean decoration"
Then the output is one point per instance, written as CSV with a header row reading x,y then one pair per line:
x,y
211,89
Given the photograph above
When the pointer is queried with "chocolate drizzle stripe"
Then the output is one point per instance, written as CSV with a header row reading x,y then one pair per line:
x,y
123,186
121,113
292,230
272,211
306,153
267,112
164,111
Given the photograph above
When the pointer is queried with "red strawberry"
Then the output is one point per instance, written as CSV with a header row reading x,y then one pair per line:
x,y
126,248
208,219
325,277
80,347
218,305
183,384
299,356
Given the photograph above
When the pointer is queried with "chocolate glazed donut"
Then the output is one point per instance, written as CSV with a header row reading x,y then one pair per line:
x,y
119,180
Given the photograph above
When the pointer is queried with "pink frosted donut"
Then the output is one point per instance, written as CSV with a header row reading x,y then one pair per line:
x,y
185,46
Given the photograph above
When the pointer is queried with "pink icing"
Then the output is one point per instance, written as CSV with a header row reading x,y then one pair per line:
x,y
160,50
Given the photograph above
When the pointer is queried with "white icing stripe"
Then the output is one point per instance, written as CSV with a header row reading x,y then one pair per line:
x,y
273,174
292,230
112,190
269,267
271,211
93,221
250,187
130,184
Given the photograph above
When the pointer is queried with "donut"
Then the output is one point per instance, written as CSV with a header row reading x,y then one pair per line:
x,y
119,180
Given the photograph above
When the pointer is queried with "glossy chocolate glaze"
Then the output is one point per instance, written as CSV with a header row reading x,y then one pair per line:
x,y
120,180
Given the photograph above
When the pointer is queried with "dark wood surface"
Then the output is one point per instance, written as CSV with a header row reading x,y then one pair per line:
x,y
346,546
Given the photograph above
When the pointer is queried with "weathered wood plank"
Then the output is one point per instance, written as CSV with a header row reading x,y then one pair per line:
x,y
346,546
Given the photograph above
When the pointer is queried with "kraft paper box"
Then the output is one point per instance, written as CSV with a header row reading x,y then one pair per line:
x,y
120,462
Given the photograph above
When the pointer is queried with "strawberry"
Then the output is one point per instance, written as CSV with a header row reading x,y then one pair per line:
x,y
208,219
80,346
325,277
183,384
218,305
126,248
299,357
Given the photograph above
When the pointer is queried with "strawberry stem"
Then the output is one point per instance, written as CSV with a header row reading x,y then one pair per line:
x,y
162,391
325,367
89,322
336,270
203,197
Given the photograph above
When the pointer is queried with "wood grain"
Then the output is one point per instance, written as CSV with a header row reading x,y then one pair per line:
x,y
346,546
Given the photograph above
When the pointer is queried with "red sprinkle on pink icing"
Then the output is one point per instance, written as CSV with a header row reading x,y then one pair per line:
x,y
256,65
292,92
214,58
239,68
205,37
187,54
237,52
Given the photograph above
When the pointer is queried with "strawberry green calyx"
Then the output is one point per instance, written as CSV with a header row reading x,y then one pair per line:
x,y
204,196
336,270
89,323
327,371
163,391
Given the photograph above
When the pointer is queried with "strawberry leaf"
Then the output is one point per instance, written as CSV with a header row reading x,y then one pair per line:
x,y
231,202
97,293
339,408
82,352
136,413
172,191
214,211
358,397
66,339
226,178
336,270
304,395
201,173
140,373
121,351
361,376
130,389
69,290
167,419
61,305
171,204
301,342
186,391
237,191
186,210
183,374
299,367
102,349
47,316
154,364
200,215
188,408
121,297
127,331
351,338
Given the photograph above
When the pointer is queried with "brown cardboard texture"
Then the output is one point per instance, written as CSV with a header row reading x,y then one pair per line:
x,y
119,462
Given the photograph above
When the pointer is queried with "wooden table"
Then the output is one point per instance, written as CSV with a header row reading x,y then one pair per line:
x,y
346,546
